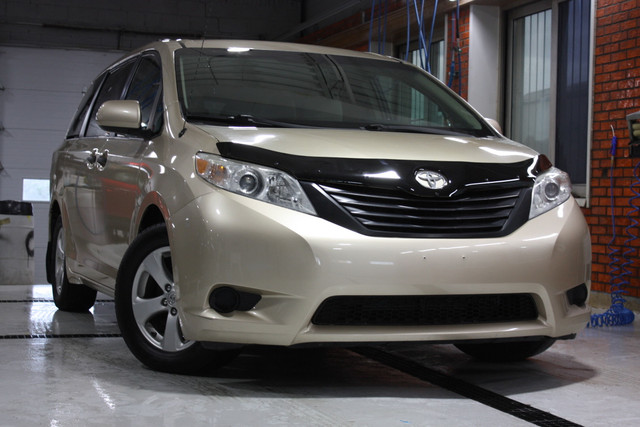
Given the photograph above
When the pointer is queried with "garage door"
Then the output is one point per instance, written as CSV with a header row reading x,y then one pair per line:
x,y
39,91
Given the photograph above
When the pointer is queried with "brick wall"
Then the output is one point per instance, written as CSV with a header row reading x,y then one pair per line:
x,y
460,83
616,94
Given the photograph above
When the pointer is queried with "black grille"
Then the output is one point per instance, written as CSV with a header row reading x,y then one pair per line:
x,y
481,212
425,310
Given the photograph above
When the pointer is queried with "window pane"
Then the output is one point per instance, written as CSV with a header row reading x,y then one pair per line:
x,y
111,89
436,59
572,119
79,119
316,90
35,190
145,88
530,95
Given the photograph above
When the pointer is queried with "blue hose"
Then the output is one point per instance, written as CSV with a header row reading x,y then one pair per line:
x,y
373,6
421,40
617,314
406,53
433,22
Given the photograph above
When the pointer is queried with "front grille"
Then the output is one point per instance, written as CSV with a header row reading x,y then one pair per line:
x,y
477,211
421,310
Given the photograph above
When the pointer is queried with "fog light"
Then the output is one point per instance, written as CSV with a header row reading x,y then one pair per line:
x,y
578,295
226,299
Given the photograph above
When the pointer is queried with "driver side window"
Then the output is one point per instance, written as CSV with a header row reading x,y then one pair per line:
x,y
146,88
112,89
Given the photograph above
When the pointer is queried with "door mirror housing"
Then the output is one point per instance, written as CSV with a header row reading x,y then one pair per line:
x,y
494,123
121,116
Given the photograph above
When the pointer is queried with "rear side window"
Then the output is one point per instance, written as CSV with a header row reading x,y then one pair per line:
x,y
146,88
111,89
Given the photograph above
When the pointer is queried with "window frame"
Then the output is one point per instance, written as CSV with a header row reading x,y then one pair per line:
x,y
580,191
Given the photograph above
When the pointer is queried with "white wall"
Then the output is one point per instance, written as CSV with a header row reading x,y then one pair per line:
x,y
485,64
42,89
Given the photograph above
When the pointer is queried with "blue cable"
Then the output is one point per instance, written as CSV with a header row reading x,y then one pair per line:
x,y
379,25
419,19
458,48
384,34
617,314
406,53
425,52
415,6
433,22
452,67
373,5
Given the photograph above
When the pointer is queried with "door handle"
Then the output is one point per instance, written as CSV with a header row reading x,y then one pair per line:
x,y
92,158
102,159
97,159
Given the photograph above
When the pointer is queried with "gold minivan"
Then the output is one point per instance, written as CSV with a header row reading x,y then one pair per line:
x,y
229,193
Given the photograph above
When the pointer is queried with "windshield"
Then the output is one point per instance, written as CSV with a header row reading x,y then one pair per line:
x,y
293,89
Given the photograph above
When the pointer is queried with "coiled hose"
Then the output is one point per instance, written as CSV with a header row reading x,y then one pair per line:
x,y
617,314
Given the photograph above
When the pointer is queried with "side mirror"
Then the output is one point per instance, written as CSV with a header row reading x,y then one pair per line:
x,y
120,116
494,123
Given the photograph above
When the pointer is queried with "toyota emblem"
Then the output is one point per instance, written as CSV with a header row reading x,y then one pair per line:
x,y
431,180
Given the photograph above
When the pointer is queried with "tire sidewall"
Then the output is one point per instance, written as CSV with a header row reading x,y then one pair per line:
x,y
72,297
187,360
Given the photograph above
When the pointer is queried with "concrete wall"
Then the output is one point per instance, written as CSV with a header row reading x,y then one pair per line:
x,y
485,65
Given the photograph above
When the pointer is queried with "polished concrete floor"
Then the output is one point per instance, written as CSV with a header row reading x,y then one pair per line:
x,y
69,369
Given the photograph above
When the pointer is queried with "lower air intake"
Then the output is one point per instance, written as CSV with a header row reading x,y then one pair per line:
x,y
423,310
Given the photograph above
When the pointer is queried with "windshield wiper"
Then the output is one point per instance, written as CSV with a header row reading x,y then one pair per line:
x,y
379,127
242,120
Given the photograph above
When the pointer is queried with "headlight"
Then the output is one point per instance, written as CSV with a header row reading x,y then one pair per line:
x,y
258,182
552,188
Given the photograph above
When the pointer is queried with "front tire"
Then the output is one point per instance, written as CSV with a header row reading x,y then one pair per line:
x,y
146,311
510,351
67,296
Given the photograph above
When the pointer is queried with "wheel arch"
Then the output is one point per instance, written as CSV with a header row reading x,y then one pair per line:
x,y
153,211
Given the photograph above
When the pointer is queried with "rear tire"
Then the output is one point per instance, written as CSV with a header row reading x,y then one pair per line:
x,y
67,296
146,311
510,351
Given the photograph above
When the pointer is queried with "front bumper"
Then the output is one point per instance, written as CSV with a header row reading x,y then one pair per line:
x,y
296,261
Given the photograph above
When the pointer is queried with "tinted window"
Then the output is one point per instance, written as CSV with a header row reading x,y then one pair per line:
x,y
112,88
80,118
317,90
146,87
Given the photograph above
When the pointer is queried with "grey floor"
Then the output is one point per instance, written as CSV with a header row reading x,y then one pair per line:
x,y
66,369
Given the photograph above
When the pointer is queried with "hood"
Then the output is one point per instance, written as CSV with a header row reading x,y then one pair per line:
x,y
362,144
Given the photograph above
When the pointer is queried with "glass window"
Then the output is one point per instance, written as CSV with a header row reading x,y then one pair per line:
x,y
112,88
79,120
35,190
531,84
572,118
436,59
548,102
317,90
146,87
